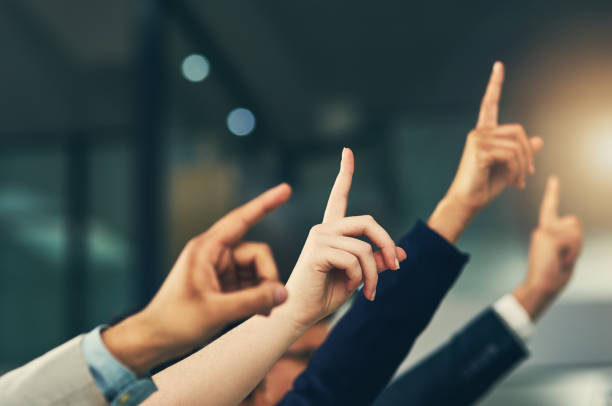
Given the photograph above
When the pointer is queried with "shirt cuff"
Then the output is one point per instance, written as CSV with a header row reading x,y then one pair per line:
x,y
119,385
515,317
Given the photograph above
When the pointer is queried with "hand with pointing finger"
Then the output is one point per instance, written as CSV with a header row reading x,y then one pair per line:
x,y
555,246
333,263
217,279
495,156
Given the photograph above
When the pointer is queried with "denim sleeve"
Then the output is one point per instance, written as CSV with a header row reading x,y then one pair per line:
x,y
119,385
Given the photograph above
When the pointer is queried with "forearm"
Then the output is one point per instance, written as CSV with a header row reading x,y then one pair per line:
x,y
136,345
450,217
533,299
227,370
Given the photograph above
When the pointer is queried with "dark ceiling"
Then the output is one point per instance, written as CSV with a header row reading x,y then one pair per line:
x,y
297,58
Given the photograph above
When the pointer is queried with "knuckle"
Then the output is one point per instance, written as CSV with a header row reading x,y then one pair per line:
x,y
190,246
537,234
509,156
369,218
264,248
484,156
517,128
366,249
316,229
482,145
194,244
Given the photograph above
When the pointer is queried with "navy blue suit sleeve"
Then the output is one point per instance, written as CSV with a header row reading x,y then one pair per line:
x,y
462,370
367,345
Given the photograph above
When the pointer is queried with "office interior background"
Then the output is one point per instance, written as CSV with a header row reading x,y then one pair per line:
x,y
128,127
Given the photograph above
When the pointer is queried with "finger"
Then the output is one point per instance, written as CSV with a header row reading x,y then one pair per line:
x,y
489,107
536,144
571,230
519,157
244,303
380,262
550,202
363,251
518,132
349,263
235,224
507,157
259,255
338,198
571,223
366,225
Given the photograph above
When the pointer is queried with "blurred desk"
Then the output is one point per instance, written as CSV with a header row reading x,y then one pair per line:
x,y
555,385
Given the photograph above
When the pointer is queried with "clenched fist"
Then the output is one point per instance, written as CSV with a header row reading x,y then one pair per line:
x,y
555,246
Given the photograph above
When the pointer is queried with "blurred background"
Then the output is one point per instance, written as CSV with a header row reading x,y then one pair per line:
x,y
128,127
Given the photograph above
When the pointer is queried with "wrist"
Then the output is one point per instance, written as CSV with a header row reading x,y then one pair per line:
x,y
135,344
533,299
288,316
292,313
451,216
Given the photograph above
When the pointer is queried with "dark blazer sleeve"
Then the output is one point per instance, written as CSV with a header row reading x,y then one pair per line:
x,y
462,370
367,345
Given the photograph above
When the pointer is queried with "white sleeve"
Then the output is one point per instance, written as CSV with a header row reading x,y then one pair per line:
x,y
515,316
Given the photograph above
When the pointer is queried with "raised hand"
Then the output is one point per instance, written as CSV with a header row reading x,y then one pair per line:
x,y
217,279
555,246
333,263
495,156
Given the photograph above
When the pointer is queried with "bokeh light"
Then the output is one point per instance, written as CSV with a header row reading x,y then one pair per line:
x,y
241,121
195,68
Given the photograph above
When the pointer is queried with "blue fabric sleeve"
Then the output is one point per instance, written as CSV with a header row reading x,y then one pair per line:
x,y
462,370
119,385
368,344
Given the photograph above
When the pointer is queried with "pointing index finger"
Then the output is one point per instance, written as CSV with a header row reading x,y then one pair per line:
x,y
236,223
489,107
550,201
338,198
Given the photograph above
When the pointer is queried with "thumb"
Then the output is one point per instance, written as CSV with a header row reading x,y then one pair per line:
x,y
536,143
245,303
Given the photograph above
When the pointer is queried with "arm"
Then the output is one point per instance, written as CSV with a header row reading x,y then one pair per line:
x,y
216,279
489,347
330,268
367,345
60,376
495,157
202,293
463,369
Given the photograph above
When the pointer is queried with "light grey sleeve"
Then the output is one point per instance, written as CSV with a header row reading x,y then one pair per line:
x,y
59,377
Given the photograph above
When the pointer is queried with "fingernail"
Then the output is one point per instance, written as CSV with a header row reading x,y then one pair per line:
x,y
396,264
280,295
373,296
